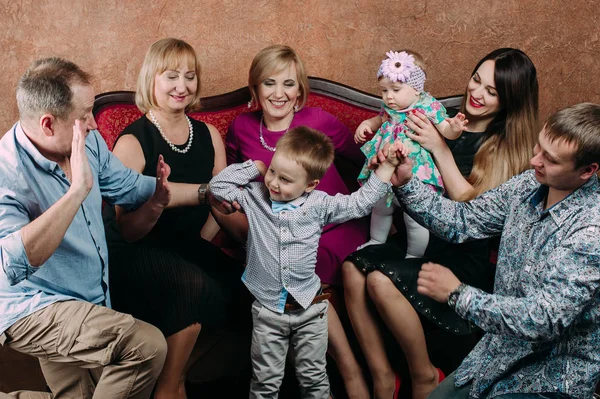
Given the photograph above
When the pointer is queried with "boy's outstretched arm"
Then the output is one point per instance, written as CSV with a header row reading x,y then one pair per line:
x,y
340,208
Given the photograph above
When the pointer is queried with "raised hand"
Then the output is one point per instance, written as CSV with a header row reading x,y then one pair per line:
x,y
403,172
458,124
162,192
362,132
436,281
81,174
395,153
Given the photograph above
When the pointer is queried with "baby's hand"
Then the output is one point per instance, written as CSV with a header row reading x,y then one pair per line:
x,y
362,131
458,124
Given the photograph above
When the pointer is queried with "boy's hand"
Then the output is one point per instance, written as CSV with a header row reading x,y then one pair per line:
x,y
394,153
262,168
458,124
388,160
362,132
403,168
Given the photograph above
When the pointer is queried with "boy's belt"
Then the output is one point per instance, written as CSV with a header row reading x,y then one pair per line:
x,y
296,306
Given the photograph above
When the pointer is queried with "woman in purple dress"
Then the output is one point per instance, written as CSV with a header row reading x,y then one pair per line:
x,y
279,84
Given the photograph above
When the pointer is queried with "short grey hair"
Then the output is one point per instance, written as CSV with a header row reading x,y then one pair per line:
x,y
46,88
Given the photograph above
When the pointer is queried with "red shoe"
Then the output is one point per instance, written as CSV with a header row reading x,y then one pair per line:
x,y
397,384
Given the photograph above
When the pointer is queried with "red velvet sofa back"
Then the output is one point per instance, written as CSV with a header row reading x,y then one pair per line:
x,y
116,110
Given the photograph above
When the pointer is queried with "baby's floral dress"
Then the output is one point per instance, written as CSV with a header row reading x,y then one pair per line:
x,y
393,128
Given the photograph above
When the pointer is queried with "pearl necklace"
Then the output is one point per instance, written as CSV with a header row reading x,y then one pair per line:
x,y
262,139
173,147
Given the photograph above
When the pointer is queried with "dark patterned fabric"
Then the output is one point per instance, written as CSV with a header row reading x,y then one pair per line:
x,y
542,323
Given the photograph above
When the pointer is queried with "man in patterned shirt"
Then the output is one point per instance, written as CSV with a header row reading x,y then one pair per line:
x,y
542,322
286,216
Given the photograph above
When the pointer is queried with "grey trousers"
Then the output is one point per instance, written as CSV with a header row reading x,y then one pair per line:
x,y
89,351
272,334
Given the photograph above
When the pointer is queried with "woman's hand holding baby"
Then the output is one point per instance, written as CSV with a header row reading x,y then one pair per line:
x,y
424,132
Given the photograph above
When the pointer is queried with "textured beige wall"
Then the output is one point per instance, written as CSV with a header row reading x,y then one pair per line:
x,y
342,40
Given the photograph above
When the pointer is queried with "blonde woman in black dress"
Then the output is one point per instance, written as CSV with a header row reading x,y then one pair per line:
x,y
164,270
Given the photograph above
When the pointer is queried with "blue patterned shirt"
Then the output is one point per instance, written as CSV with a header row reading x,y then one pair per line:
x,y
542,322
282,247
78,269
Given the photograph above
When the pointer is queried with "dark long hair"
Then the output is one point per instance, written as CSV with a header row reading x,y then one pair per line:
x,y
509,138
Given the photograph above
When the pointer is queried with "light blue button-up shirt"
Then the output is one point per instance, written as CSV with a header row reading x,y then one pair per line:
x,y
78,269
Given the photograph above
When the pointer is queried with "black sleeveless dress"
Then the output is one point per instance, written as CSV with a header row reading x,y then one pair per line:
x,y
172,278
469,261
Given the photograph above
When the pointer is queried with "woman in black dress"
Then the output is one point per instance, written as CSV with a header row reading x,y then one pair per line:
x,y
165,271
501,104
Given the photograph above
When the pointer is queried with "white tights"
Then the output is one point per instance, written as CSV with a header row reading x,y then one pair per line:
x,y
381,223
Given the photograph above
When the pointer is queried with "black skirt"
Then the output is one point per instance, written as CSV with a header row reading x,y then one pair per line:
x,y
469,262
173,288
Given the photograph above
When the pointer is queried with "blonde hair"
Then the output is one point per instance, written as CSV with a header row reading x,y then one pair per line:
x,y
273,60
310,148
162,55
510,137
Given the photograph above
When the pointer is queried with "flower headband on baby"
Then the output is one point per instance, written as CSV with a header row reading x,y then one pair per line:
x,y
401,67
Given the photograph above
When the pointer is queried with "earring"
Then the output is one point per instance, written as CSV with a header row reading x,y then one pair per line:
x,y
296,108
249,104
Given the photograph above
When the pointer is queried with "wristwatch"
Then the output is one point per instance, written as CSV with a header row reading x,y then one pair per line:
x,y
202,197
453,297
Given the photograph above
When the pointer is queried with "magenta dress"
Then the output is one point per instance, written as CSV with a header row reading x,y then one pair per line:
x,y
338,241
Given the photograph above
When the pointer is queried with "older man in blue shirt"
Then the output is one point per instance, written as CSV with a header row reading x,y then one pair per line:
x,y
542,322
55,169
